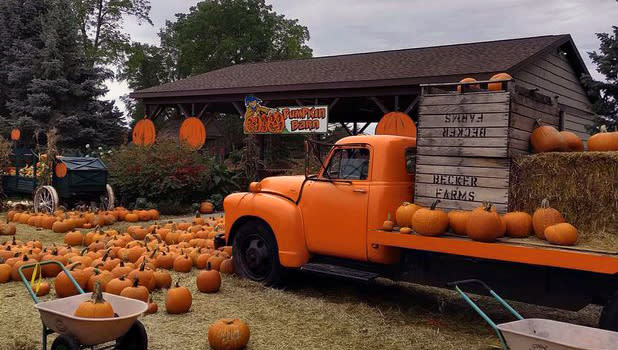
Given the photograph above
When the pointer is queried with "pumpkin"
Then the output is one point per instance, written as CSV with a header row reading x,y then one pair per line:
x,y
165,261
62,226
131,217
603,141
518,224
215,262
116,285
154,214
207,207
396,123
24,260
251,124
562,234
544,217
403,214
74,238
458,220
144,275
178,300
152,307
43,289
388,223
430,221
183,263
136,291
208,281
546,138
227,266
5,271
101,277
163,279
61,170
63,285
405,230
275,122
484,225
15,134
498,86
468,87
573,142
228,334
193,133
144,132
96,307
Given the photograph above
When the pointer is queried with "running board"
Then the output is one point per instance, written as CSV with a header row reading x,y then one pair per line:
x,y
339,271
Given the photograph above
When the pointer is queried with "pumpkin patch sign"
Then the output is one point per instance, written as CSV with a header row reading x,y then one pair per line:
x,y
284,120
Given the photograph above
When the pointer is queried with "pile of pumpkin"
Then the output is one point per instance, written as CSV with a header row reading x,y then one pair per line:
x,y
484,224
546,138
61,221
8,228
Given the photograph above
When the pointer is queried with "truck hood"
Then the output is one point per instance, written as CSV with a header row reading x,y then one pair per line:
x,y
287,186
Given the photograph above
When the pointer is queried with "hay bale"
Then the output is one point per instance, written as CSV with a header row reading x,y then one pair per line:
x,y
583,186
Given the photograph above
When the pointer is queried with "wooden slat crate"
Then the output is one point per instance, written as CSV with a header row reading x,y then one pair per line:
x,y
465,143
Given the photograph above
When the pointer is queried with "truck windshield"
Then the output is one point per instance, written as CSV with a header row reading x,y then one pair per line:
x,y
349,164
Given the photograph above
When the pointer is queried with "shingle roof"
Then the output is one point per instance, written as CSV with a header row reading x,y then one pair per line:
x,y
385,68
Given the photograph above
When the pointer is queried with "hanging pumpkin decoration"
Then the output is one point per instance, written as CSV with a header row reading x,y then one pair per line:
x,y
144,132
544,217
546,138
603,141
468,80
573,142
498,86
430,221
193,132
15,134
96,307
61,170
562,234
228,334
396,123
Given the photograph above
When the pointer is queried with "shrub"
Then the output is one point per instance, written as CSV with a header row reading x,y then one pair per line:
x,y
166,172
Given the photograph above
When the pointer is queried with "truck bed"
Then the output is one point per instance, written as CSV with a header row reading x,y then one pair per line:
x,y
520,250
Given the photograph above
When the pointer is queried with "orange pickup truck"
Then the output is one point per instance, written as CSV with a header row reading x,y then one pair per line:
x,y
330,224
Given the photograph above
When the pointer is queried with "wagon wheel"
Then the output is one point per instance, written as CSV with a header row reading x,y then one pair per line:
x,y
108,199
45,199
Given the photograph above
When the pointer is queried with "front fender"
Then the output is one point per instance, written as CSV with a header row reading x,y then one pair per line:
x,y
282,215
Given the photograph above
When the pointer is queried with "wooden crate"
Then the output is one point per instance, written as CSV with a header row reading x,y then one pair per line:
x,y
465,143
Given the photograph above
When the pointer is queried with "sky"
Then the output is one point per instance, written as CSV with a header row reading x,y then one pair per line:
x,y
348,26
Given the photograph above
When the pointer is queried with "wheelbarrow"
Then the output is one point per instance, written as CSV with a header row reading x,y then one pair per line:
x,y
538,333
79,333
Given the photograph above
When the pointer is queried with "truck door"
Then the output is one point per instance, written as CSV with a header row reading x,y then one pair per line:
x,y
334,206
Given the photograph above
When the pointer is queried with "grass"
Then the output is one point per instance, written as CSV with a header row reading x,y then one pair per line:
x,y
310,313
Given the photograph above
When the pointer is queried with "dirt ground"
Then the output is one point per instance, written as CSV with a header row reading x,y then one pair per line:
x,y
310,313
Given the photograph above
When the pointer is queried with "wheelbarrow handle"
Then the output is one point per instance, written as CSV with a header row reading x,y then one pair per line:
x,y
47,262
470,281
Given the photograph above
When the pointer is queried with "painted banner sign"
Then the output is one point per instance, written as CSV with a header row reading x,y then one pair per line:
x,y
284,120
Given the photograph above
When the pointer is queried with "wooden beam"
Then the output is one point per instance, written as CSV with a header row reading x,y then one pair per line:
x,y
355,128
346,128
364,127
332,104
412,104
183,110
396,102
202,111
299,102
193,109
379,104
237,108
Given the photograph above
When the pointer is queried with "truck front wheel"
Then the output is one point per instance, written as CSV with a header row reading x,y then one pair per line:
x,y
256,254
609,315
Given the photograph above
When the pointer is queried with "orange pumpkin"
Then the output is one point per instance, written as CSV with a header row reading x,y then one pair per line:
x,y
544,217
193,132
403,215
61,170
96,307
430,221
152,307
116,285
15,134
484,225
178,300
206,207
546,138
458,220
518,224
562,234
251,124
208,281
498,86
144,132
468,80
136,292
228,334
573,142
603,141
275,123
396,123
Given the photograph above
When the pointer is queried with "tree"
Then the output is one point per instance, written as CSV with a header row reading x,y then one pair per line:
x,y
49,82
219,33
606,92
100,26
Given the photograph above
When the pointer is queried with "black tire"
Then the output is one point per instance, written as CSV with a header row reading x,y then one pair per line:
x,y
65,342
135,339
609,315
256,254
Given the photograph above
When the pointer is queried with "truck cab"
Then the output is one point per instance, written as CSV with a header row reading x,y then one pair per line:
x,y
286,221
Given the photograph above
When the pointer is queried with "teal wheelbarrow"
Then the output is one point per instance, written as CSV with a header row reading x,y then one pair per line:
x,y
538,333
122,332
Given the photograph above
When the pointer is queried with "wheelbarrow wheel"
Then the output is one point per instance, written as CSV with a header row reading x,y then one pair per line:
x,y
135,339
65,342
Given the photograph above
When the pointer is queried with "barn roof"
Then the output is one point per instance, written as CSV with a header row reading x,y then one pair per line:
x,y
372,69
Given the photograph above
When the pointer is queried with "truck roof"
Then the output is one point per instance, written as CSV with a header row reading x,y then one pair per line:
x,y
375,140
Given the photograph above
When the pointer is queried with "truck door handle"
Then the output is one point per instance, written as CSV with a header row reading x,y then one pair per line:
x,y
360,190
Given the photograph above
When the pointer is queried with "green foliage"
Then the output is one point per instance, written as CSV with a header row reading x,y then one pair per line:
x,y
219,33
606,92
100,26
166,172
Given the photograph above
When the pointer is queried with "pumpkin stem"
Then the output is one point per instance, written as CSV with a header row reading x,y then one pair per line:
x,y
388,216
487,206
538,123
435,204
135,282
603,128
97,295
143,265
177,285
545,203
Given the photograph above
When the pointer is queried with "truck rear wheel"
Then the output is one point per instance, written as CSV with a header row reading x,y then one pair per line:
x,y
256,254
609,315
